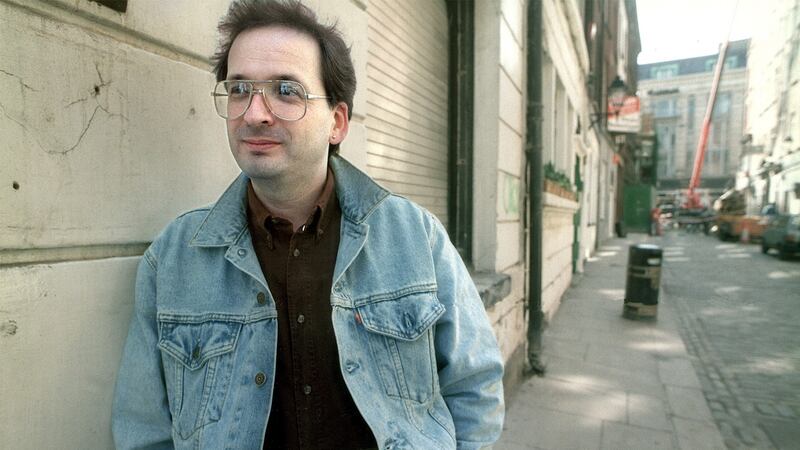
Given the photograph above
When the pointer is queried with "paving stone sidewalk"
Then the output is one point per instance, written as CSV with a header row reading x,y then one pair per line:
x,y
611,382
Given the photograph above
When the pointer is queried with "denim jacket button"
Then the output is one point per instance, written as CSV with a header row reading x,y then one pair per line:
x,y
296,252
307,389
301,318
241,252
261,298
350,366
260,378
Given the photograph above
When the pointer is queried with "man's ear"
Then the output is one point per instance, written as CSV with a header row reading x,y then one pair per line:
x,y
341,124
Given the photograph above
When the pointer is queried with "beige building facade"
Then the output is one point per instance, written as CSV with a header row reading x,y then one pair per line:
x,y
565,66
108,133
675,94
769,172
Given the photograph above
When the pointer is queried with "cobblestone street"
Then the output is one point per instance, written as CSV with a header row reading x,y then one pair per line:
x,y
739,316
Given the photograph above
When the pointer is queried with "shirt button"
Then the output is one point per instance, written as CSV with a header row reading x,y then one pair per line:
x,y
307,389
260,378
301,318
296,252
261,298
303,229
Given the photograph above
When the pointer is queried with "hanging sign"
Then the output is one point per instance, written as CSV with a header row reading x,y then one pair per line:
x,y
628,119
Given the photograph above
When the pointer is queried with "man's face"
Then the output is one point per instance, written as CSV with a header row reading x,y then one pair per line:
x,y
265,146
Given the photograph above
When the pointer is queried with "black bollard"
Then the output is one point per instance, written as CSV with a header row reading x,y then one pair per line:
x,y
643,282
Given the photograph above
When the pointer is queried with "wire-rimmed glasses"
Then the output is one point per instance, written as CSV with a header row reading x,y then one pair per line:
x,y
286,99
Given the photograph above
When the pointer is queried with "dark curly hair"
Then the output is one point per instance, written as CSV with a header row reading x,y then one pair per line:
x,y
338,74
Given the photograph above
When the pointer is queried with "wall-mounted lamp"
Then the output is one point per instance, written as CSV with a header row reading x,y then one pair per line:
x,y
616,99
616,94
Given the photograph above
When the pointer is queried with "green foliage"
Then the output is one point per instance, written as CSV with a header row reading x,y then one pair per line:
x,y
552,174
578,179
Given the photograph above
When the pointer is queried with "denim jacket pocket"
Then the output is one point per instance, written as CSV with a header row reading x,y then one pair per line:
x,y
401,339
197,352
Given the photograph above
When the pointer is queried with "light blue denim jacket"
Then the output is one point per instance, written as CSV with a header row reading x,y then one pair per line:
x,y
416,349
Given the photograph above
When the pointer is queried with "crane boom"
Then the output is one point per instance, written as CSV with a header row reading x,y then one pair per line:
x,y
692,198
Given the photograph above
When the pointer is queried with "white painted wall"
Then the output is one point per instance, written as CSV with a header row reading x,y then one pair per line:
x,y
773,101
498,233
566,65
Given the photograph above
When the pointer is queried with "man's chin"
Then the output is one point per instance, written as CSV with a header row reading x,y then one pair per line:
x,y
262,170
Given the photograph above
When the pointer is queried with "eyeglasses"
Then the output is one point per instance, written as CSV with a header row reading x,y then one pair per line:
x,y
286,99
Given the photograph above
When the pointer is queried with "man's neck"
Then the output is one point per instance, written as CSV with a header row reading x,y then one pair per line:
x,y
293,200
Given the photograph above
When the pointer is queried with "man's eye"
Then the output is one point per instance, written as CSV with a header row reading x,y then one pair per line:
x,y
287,89
238,89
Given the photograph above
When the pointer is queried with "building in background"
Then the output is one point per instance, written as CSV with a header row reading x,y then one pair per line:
x,y
109,133
769,171
674,96
612,34
580,154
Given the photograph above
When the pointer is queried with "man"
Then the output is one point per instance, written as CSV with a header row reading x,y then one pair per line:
x,y
308,307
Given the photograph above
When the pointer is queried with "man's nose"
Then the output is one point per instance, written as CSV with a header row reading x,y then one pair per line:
x,y
259,112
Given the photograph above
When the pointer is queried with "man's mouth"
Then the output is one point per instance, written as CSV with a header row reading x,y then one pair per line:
x,y
260,143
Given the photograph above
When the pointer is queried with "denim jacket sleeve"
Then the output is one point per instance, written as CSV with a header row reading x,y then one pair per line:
x,y
470,364
140,417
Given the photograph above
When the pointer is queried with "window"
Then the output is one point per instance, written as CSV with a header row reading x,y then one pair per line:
x,y
665,136
665,108
460,140
561,131
116,5
722,105
664,71
690,113
548,113
732,62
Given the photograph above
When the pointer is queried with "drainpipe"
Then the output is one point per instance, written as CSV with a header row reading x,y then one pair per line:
x,y
533,150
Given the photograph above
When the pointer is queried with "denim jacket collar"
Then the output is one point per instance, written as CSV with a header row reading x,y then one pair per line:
x,y
358,194
227,219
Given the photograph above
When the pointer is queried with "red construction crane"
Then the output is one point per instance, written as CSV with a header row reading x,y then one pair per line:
x,y
692,198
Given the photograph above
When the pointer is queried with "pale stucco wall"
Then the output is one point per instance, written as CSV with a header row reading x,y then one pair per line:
x,y
108,132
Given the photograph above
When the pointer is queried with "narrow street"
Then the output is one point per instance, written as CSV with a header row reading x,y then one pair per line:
x,y
739,316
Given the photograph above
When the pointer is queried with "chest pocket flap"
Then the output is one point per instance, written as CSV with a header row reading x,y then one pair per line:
x,y
194,344
198,365
405,318
400,336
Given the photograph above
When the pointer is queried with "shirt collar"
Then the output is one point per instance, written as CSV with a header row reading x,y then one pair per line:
x,y
357,195
317,221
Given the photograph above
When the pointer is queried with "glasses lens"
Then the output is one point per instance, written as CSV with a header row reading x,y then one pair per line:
x,y
286,99
232,97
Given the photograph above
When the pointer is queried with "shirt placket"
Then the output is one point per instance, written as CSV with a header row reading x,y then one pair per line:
x,y
300,320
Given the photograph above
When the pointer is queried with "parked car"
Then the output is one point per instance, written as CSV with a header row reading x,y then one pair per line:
x,y
782,233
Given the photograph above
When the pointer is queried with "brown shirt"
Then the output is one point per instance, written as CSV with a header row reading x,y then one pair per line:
x,y
311,406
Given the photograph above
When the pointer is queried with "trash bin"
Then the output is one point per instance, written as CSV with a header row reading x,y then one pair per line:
x,y
643,282
619,228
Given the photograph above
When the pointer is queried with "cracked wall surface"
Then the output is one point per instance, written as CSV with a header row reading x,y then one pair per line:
x,y
83,114
107,132
103,139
